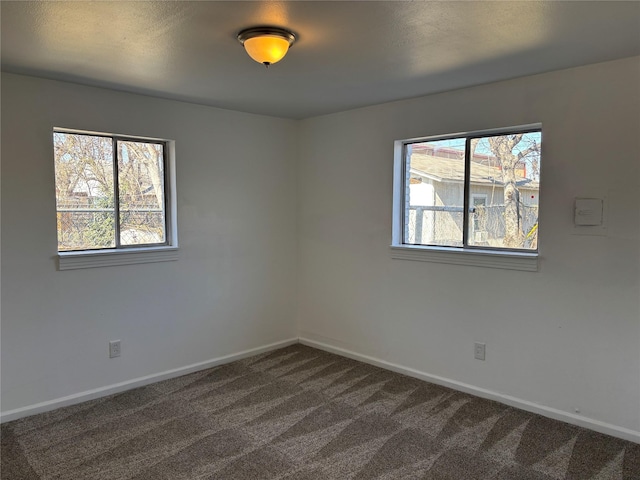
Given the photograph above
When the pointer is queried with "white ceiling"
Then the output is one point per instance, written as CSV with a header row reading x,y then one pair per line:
x,y
348,54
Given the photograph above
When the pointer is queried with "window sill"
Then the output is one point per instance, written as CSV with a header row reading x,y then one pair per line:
x,y
525,261
110,258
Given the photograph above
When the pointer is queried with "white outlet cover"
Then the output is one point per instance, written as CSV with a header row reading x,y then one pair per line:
x,y
115,348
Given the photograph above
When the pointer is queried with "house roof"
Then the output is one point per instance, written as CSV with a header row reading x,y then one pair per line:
x,y
443,169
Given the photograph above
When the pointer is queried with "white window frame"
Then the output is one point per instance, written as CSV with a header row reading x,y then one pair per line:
x,y
108,257
481,257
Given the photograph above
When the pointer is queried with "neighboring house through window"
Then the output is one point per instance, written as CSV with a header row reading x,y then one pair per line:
x,y
475,193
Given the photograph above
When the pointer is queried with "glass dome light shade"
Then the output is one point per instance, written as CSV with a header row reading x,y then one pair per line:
x,y
266,49
266,45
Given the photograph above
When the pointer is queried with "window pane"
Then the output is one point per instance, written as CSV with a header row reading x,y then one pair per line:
x,y
434,193
84,191
141,193
505,191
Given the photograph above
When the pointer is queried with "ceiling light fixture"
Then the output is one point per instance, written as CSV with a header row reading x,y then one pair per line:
x,y
266,45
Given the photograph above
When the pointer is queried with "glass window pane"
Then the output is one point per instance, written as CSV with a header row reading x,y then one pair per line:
x,y
84,191
505,191
434,193
141,193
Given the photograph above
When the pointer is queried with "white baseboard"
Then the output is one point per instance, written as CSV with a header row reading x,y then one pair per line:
x,y
549,412
602,427
136,382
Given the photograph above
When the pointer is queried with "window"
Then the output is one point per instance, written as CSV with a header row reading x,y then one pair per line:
x,y
113,196
472,194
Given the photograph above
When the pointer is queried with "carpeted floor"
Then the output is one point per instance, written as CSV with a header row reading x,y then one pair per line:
x,y
300,413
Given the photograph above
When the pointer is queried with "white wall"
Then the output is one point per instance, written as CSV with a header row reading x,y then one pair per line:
x,y
231,288
565,337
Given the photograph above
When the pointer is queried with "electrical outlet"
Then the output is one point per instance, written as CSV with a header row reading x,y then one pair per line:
x,y
114,348
479,350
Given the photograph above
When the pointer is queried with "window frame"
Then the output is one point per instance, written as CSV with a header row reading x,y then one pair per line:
x,y
137,253
474,255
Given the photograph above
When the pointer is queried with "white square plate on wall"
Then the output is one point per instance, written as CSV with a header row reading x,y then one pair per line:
x,y
590,215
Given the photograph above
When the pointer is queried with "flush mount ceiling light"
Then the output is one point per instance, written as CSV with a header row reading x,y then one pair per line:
x,y
266,45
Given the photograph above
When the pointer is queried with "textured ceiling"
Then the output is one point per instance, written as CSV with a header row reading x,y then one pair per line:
x,y
349,54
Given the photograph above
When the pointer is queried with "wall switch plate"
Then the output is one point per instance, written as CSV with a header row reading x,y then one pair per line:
x,y
114,348
479,350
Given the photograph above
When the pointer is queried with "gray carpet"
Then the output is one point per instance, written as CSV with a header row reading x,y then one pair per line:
x,y
304,414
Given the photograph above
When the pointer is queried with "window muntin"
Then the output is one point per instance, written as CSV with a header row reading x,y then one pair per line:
x,y
473,191
111,191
